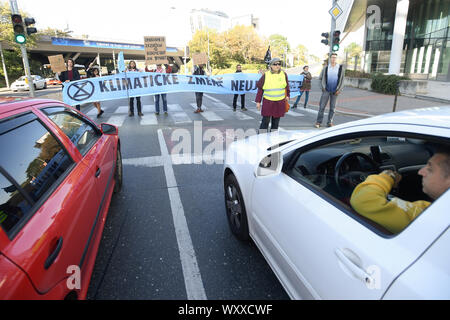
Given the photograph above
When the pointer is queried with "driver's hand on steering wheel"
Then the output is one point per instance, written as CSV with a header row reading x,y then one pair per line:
x,y
394,175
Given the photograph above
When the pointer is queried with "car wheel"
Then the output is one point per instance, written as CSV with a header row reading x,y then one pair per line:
x,y
235,207
118,175
34,86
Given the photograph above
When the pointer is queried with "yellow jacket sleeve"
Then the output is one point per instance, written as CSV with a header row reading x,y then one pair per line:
x,y
370,200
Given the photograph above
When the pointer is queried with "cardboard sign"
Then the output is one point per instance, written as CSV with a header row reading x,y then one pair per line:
x,y
200,58
155,50
57,63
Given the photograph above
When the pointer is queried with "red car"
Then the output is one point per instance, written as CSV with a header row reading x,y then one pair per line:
x,y
58,171
53,82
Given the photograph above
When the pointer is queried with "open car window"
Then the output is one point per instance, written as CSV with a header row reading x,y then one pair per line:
x,y
333,170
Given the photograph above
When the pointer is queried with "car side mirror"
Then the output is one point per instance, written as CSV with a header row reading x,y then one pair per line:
x,y
269,165
109,129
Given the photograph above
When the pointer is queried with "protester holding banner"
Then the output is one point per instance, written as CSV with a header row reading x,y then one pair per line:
x,y
198,70
159,69
132,68
71,74
243,108
273,90
305,88
96,73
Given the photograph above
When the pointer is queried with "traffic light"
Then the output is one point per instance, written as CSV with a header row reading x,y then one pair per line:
x,y
336,40
19,30
29,22
326,35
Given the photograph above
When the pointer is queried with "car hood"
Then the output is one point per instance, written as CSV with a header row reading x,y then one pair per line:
x,y
252,149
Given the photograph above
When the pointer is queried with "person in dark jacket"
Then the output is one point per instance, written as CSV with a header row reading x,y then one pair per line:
x,y
199,71
71,74
273,90
305,88
243,108
132,68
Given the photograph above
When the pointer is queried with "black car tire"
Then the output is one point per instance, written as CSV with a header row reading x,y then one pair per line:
x,y
235,208
118,174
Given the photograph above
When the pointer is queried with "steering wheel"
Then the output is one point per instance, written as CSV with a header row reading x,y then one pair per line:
x,y
346,182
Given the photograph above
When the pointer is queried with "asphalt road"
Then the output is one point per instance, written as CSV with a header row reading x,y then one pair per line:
x,y
166,235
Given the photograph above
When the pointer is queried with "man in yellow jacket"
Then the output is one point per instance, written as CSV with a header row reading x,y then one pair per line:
x,y
370,197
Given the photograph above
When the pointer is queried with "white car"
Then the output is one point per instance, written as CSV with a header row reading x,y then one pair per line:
x,y
289,192
22,83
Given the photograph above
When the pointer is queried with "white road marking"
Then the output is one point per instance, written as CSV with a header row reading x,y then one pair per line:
x,y
191,272
149,162
122,109
194,105
212,98
148,119
222,105
211,116
92,113
180,117
116,120
208,115
174,107
241,115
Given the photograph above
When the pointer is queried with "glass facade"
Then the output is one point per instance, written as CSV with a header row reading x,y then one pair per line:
x,y
426,49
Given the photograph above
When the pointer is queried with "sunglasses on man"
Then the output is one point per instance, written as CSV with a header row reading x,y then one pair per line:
x,y
277,64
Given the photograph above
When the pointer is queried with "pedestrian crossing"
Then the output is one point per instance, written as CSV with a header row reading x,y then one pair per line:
x,y
216,111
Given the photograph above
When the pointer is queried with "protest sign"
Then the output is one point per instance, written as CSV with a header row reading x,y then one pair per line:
x,y
136,84
200,58
155,50
57,63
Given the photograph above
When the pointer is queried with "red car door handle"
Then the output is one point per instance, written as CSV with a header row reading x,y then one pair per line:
x,y
97,173
52,257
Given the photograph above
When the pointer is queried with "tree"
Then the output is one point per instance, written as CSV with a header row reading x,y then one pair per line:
x,y
55,32
199,43
351,51
278,45
13,57
244,45
300,55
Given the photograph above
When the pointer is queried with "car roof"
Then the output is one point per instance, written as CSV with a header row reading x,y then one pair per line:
x,y
431,116
8,104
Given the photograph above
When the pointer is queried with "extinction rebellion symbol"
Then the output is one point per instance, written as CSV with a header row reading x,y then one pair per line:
x,y
81,91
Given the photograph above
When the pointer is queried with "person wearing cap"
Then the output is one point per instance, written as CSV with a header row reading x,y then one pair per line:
x,y
273,91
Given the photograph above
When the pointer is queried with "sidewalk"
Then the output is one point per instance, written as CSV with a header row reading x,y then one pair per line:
x,y
364,103
437,91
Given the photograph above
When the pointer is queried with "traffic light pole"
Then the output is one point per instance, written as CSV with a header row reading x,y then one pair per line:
x,y
333,27
26,65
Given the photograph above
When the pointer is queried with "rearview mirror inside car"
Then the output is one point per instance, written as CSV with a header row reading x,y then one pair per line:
x,y
109,129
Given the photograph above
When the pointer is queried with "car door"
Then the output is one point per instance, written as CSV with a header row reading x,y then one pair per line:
x,y
97,152
320,250
50,197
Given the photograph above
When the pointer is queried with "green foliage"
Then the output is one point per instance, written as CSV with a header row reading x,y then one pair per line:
x,y
353,50
357,74
386,84
278,45
242,45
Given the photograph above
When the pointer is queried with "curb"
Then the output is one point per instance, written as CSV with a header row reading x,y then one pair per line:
x,y
356,114
433,99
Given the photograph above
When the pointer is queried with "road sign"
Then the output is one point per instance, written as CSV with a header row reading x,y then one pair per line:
x,y
336,11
